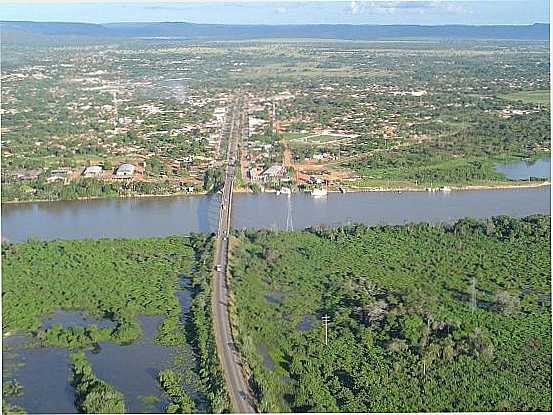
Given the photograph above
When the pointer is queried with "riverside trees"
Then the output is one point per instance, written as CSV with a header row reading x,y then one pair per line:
x,y
407,332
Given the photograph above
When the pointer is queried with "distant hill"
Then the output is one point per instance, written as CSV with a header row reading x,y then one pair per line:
x,y
56,28
537,31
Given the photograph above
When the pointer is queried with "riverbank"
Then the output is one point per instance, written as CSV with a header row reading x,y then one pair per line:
x,y
500,185
84,199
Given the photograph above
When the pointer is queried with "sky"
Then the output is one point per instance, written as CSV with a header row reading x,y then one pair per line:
x,y
481,12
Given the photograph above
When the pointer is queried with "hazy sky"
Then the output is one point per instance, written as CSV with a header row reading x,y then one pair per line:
x,y
283,12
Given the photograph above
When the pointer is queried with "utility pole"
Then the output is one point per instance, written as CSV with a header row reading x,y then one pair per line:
x,y
115,108
325,321
473,294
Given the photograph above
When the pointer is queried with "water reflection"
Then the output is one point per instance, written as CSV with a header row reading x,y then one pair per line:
x,y
132,369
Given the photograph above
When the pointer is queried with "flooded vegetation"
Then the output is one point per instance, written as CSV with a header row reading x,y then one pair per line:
x,y
45,372
127,352
133,368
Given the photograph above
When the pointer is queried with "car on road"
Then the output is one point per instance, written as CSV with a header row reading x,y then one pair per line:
x,y
219,268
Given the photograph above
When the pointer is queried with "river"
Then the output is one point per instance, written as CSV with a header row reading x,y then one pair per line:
x,y
142,217
161,216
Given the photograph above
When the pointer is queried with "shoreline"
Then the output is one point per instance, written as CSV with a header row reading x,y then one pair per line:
x,y
499,186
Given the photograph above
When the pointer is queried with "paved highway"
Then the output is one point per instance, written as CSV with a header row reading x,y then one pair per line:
x,y
241,397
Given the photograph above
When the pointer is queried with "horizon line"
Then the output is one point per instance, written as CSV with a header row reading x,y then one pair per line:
x,y
279,24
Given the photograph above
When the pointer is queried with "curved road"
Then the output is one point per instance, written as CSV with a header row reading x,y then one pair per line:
x,y
241,397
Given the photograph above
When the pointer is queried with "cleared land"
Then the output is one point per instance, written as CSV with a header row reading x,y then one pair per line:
x,y
542,97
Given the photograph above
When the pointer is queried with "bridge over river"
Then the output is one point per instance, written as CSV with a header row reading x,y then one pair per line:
x,y
240,394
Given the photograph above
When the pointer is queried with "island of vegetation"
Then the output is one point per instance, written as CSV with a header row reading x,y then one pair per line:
x,y
452,317
94,396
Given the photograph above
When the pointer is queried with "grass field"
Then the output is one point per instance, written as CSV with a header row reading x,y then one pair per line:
x,y
532,97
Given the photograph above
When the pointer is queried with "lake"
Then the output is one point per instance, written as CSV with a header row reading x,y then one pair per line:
x,y
161,216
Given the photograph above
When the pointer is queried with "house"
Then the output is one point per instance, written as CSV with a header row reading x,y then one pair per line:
x,y
253,175
125,170
60,174
275,172
92,171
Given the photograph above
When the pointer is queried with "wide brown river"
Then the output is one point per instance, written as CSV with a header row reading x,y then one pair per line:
x,y
124,218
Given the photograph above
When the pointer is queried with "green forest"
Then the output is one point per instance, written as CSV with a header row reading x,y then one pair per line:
x,y
452,317
117,279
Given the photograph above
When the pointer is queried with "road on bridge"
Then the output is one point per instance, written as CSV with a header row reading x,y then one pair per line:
x,y
240,394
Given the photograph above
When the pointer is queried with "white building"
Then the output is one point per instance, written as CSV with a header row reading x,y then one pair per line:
x,y
125,170
92,171
274,172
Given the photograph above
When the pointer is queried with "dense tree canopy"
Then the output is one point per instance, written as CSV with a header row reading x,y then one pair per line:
x,y
422,317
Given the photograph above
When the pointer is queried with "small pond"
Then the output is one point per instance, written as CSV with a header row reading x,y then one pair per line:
x,y
267,361
524,169
307,323
72,318
274,297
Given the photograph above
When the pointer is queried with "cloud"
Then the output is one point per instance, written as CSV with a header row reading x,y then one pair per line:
x,y
391,7
354,7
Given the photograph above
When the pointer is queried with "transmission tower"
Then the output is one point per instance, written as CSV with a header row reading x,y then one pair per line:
x,y
325,319
289,222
